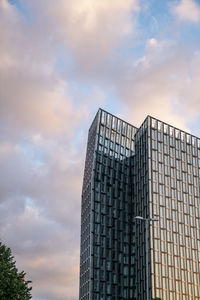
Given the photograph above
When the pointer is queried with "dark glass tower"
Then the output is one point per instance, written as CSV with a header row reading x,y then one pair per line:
x,y
149,172
106,237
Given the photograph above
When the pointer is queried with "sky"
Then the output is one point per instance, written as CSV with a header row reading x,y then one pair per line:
x,y
60,60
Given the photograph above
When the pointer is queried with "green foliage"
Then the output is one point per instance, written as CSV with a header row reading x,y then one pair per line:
x,y
12,283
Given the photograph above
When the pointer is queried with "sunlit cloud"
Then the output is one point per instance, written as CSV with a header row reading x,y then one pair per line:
x,y
163,84
91,31
187,10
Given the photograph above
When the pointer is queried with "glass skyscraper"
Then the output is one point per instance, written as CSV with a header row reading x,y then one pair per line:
x,y
153,172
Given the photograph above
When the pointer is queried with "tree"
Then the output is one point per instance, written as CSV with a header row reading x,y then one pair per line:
x,y
13,285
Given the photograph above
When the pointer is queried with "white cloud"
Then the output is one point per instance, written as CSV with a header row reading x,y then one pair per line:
x,y
153,43
187,10
91,30
163,83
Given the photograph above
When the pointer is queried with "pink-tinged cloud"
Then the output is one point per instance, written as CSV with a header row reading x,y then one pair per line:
x,y
33,95
91,30
187,10
162,83
41,165
40,214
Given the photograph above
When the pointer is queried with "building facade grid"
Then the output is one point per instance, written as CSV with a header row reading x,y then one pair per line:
x,y
152,172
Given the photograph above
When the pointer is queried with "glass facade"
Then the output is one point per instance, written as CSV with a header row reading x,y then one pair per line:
x,y
174,160
152,171
106,231
86,215
140,198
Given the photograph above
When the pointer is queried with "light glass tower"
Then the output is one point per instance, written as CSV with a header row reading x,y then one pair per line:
x,y
174,177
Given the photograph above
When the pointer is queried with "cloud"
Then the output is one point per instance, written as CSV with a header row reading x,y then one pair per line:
x,y
40,213
152,43
187,10
45,248
162,83
41,162
32,93
91,30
